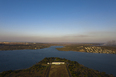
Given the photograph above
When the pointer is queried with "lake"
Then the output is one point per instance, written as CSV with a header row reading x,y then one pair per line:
x,y
20,59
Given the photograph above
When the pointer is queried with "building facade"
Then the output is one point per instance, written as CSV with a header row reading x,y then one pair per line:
x,y
56,63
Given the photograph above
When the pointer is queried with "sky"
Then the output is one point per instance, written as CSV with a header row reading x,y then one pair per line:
x,y
50,21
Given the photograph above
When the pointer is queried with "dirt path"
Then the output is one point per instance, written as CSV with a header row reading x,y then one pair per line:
x,y
58,71
48,70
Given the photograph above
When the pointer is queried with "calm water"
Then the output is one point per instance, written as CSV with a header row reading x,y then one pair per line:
x,y
19,59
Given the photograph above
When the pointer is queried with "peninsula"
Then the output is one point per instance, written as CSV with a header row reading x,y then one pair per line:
x,y
90,48
66,69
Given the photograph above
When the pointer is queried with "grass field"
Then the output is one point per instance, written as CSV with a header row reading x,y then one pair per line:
x,y
58,71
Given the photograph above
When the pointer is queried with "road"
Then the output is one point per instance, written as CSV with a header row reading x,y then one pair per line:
x,y
48,70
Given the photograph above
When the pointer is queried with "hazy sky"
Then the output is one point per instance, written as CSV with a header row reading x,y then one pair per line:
x,y
81,21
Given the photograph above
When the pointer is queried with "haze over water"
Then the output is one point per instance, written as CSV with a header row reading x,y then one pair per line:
x,y
77,21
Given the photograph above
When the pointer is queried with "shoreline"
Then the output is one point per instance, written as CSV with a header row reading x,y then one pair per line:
x,y
21,46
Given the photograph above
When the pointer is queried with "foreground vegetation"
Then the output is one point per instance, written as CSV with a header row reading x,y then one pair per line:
x,y
41,69
38,70
92,48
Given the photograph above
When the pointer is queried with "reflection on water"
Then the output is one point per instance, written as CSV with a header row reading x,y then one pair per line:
x,y
19,59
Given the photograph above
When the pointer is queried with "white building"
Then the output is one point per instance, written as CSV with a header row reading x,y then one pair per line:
x,y
56,63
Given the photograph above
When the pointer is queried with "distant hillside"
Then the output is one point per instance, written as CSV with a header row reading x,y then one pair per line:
x,y
21,46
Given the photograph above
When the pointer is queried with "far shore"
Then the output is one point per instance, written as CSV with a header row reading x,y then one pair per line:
x,y
89,48
79,47
26,45
22,46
